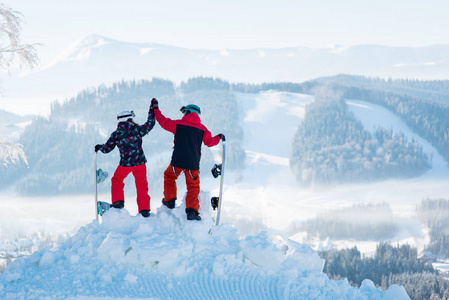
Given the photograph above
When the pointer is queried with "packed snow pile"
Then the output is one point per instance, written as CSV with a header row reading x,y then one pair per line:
x,y
167,257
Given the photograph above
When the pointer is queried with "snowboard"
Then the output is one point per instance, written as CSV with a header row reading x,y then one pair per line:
x,y
218,170
100,176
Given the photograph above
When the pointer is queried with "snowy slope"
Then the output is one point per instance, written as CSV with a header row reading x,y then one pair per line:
x,y
168,257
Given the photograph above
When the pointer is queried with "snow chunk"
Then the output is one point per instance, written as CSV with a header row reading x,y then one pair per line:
x,y
261,251
47,259
131,278
74,259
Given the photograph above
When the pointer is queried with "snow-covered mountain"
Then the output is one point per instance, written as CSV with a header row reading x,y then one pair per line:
x,y
94,60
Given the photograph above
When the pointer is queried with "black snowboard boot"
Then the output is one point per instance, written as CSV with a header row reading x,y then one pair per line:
x,y
118,204
170,204
192,214
145,213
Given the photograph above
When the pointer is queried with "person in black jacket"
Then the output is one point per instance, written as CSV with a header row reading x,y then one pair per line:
x,y
128,138
189,136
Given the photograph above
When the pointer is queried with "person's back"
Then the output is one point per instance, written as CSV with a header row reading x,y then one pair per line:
x,y
188,140
128,139
189,136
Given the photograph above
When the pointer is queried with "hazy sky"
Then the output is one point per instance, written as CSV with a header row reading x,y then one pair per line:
x,y
235,24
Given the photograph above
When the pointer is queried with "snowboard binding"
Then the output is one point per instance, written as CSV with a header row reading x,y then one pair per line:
x,y
214,202
103,207
101,175
216,170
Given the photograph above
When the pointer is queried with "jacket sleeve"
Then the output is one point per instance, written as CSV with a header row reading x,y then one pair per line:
x,y
166,123
110,144
209,140
145,128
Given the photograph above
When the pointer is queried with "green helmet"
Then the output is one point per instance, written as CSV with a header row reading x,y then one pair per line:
x,y
191,108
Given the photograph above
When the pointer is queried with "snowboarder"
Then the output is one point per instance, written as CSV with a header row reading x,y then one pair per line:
x,y
189,135
128,138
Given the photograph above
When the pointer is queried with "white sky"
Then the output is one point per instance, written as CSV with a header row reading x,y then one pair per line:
x,y
235,24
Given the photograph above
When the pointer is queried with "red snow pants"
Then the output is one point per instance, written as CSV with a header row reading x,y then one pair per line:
x,y
140,178
171,174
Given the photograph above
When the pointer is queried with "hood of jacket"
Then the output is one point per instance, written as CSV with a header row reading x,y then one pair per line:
x,y
192,118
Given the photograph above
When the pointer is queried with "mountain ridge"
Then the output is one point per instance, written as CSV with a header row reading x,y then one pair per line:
x,y
95,60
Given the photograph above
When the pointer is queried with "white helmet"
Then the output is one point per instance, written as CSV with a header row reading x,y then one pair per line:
x,y
125,115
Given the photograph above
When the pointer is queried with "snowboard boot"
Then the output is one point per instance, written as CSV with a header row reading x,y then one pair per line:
x,y
192,214
145,213
170,204
118,204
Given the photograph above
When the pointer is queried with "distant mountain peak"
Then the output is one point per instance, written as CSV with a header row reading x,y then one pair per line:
x,y
80,50
93,40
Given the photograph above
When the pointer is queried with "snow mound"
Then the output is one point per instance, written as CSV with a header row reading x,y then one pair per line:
x,y
167,257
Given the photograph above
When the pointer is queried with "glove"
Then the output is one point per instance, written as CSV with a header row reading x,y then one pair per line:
x,y
154,103
222,137
98,147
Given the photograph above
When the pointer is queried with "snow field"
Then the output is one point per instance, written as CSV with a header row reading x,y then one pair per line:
x,y
167,257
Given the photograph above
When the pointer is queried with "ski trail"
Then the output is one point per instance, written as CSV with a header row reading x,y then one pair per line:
x,y
372,116
270,120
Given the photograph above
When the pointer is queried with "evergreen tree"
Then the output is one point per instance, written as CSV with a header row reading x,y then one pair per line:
x,y
331,146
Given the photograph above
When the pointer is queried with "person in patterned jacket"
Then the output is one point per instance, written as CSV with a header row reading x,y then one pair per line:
x,y
189,136
128,138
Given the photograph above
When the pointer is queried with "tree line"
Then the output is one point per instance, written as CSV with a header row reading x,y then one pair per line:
x,y
330,144
389,265
362,222
434,214
59,148
422,104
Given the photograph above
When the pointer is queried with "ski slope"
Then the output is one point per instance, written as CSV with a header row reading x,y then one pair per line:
x,y
167,257
372,116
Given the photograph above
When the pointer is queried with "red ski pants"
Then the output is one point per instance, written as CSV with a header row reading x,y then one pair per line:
x,y
140,178
171,174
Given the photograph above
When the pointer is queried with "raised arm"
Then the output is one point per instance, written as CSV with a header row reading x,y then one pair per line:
x,y
166,123
149,124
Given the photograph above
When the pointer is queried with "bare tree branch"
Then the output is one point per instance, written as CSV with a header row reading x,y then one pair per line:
x,y
11,153
10,49
10,46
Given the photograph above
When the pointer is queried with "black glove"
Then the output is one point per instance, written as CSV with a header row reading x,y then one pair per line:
x,y
98,147
154,103
222,137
